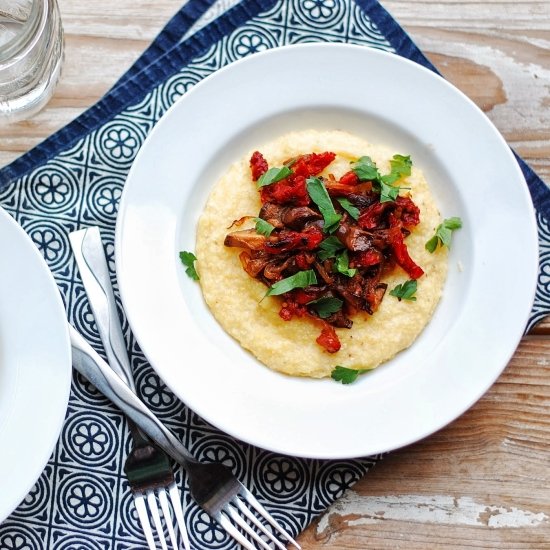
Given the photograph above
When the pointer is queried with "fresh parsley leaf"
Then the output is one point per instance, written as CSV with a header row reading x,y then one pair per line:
x,y
388,192
325,307
365,169
353,211
345,375
273,175
431,245
330,248
342,265
319,195
400,168
453,223
405,291
301,279
263,228
188,260
443,234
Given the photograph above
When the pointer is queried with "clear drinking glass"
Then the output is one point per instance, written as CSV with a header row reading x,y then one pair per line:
x,y
31,55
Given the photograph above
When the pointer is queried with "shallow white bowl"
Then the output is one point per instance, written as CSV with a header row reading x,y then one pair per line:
x,y
35,364
390,101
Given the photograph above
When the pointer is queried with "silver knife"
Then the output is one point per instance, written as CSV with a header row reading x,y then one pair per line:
x,y
94,271
88,363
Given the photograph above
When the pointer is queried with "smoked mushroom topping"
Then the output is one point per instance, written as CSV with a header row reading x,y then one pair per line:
x,y
324,245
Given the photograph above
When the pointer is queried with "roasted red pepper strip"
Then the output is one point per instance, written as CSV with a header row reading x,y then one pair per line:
x,y
290,308
410,213
304,296
304,261
291,190
258,165
328,339
402,255
370,218
296,300
312,164
349,178
366,258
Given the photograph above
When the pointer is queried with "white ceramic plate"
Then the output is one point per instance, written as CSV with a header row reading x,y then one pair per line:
x,y
388,100
35,364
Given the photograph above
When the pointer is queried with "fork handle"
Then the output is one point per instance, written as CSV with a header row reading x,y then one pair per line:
x,y
88,363
94,272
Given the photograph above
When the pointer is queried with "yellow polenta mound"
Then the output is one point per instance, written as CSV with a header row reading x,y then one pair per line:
x,y
235,298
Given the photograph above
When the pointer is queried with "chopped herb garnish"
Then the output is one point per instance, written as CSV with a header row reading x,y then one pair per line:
x,y
263,228
273,175
302,279
405,291
400,168
353,211
366,170
387,191
342,265
319,195
330,248
188,260
325,307
345,375
444,233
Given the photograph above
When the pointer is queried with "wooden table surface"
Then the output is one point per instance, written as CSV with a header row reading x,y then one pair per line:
x,y
483,481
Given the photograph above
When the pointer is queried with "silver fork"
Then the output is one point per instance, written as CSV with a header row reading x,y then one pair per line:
x,y
147,467
212,485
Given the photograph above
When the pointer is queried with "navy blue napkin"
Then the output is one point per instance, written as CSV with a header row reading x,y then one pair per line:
x,y
74,179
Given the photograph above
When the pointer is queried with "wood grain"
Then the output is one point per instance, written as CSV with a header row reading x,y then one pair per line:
x,y
483,481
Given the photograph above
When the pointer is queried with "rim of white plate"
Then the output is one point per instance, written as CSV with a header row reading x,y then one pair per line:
x,y
156,220
35,364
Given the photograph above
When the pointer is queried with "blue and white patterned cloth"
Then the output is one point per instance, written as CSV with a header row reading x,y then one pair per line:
x,y
74,179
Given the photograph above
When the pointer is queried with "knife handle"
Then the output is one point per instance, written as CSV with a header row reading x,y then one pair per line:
x,y
94,271
88,363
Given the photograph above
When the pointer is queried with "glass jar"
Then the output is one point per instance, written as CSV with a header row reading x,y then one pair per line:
x,y
31,55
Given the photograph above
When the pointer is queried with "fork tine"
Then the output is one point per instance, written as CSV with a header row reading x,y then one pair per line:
x,y
244,526
251,499
251,517
139,503
154,509
230,528
176,505
167,517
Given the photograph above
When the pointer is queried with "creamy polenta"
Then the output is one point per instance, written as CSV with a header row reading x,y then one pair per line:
x,y
237,300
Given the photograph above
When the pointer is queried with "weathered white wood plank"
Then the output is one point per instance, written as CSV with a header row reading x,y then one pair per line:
x,y
471,14
357,510
482,482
